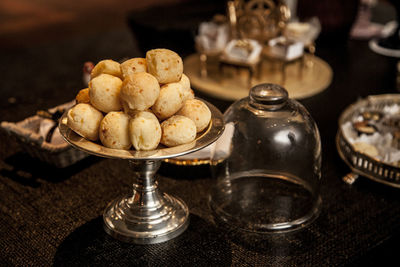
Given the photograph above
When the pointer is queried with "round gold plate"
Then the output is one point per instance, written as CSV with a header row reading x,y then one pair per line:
x,y
230,84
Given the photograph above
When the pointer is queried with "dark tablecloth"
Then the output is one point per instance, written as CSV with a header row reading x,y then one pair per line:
x,y
54,216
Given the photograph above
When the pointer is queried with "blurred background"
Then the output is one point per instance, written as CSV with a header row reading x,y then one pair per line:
x,y
26,22
41,20
44,43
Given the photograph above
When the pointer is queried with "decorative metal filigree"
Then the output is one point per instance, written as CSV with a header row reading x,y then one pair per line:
x,y
257,19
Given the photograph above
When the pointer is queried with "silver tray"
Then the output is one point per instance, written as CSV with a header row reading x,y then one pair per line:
x,y
359,163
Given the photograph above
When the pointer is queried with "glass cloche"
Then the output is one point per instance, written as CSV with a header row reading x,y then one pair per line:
x,y
267,164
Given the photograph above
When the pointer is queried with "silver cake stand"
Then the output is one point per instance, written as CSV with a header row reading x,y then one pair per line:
x,y
147,216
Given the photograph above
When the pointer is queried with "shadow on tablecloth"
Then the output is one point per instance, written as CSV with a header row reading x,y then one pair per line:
x,y
26,170
200,245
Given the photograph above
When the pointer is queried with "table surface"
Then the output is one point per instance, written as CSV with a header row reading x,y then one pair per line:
x,y
51,216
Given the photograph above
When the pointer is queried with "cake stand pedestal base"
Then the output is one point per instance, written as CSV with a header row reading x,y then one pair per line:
x,y
148,216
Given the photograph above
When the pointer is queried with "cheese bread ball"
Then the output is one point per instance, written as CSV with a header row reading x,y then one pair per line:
x,y
83,96
139,92
113,130
177,130
169,101
144,131
104,93
185,82
187,91
165,65
188,94
197,111
107,66
85,121
133,65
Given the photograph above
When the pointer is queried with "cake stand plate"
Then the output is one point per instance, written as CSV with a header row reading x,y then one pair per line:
x,y
147,216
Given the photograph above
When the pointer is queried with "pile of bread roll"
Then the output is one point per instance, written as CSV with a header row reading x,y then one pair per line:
x,y
141,102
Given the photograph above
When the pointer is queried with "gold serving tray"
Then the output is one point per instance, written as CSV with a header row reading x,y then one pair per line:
x,y
229,84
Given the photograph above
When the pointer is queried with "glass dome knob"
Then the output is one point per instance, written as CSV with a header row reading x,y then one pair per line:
x,y
268,96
